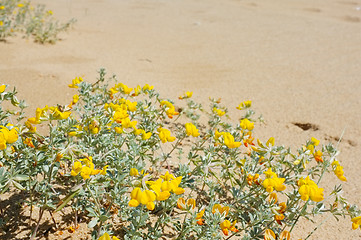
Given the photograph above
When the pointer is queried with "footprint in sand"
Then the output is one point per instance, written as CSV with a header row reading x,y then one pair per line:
x,y
352,19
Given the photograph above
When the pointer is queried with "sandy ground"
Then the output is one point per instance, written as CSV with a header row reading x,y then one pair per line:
x,y
298,61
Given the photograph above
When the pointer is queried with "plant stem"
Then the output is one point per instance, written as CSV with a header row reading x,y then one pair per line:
x,y
41,211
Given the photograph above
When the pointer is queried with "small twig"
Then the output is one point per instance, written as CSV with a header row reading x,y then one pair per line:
x,y
41,211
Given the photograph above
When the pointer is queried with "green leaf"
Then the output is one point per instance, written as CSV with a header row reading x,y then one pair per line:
x,y
67,199
92,223
18,185
20,177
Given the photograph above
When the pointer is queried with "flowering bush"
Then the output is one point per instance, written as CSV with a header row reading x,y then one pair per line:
x,y
116,152
35,21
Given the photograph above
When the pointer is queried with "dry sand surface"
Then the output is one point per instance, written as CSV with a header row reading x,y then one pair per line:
x,y
298,61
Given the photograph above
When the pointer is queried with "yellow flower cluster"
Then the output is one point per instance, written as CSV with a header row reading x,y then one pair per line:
x,y
244,105
41,115
75,82
170,109
311,147
121,115
338,170
218,111
85,167
159,190
253,179
8,135
273,182
186,95
309,189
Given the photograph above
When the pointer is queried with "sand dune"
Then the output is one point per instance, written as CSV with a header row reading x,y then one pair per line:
x,y
298,61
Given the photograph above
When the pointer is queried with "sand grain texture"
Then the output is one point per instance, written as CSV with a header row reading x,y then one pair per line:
x,y
298,61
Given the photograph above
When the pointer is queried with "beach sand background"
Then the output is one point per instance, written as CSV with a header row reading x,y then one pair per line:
x,y
298,61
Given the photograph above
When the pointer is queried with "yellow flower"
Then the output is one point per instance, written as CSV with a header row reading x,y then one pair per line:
x,y
273,198
244,105
87,170
49,12
269,235
246,124
218,134
118,130
106,236
270,141
59,115
186,95
126,123
94,127
133,172
356,222
137,91
229,141
145,197
285,235
75,82
253,179
125,88
10,136
2,141
181,203
273,182
164,135
309,189
146,135
219,112
74,101
104,170
218,208
226,225
132,106
200,220
119,115
2,7
20,5
76,168
1,24
147,88
338,170
2,87
314,141
169,184
170,109
191,130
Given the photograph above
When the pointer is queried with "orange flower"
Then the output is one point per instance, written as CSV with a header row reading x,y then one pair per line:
x,y
29,142
318,156
199,216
